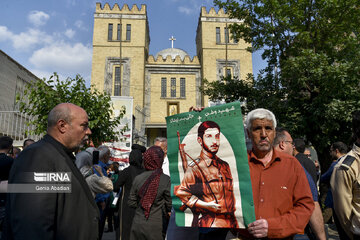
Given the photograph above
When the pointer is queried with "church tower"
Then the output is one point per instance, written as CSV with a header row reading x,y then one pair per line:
x,y
120,48
219,54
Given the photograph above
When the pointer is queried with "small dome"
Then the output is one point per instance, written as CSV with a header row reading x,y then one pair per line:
x,y
173,52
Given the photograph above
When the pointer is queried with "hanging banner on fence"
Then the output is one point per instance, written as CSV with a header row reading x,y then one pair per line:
x,y
210,179
120,150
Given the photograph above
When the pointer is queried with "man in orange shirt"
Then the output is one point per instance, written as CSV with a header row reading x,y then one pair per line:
x,y
283,203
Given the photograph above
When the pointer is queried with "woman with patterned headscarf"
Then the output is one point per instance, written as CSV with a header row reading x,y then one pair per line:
x,y
150,192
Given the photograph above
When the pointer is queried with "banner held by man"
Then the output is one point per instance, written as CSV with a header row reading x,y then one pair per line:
x,y
210,176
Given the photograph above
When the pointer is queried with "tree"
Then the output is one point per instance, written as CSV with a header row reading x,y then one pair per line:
x,y
312,48
39,98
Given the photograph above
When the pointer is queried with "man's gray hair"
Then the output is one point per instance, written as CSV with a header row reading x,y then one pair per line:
x,y
160,139
83,158
58,113
280,135
91,150
103,150
260,113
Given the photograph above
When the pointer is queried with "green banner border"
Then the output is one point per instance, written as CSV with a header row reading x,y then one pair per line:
x,y
223,115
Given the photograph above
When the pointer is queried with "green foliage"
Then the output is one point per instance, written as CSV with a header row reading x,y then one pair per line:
x,y
40,97
229,89
312,48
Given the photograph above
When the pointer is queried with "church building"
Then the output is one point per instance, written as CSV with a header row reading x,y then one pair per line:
x,y
167,83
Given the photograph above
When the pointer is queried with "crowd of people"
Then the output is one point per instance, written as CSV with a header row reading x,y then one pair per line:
x,y
135,203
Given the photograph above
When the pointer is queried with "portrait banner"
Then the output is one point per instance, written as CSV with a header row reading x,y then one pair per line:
x,y
210,178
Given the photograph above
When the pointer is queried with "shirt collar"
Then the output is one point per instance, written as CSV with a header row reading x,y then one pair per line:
x,y
207,159
102,164
59,145
275,157
356,149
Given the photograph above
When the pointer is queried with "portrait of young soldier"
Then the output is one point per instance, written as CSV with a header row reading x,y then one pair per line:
x,y
207,185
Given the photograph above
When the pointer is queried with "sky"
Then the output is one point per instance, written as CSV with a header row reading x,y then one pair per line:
x,y
47,36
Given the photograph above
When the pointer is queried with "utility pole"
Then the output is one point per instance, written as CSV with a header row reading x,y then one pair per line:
x,y
226,48
120,43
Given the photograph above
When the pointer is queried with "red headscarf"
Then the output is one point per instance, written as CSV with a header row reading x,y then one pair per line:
x,y
153,160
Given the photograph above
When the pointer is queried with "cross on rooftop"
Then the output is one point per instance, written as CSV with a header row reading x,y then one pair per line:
x,y
172,39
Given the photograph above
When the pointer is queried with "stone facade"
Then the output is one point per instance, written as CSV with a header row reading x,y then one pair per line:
x,y
169,82
216,54
13,80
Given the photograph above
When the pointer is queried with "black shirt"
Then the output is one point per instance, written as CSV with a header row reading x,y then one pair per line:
x,y
5,166
308,164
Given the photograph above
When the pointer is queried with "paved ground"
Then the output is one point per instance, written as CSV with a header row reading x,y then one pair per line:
x,y
109,236
332,233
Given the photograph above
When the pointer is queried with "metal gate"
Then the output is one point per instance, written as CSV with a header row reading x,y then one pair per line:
x,y
15,125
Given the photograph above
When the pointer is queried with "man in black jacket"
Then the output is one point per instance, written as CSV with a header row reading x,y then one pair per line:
x,y
299,148
36,212
6,146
